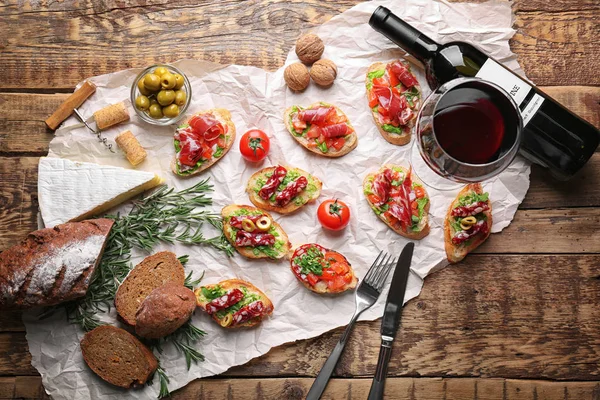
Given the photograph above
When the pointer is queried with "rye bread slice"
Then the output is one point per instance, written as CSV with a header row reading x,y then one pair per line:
x,y
152,272
116,356
164,311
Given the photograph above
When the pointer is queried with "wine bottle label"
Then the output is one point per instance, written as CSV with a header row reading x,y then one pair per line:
x,y
522,92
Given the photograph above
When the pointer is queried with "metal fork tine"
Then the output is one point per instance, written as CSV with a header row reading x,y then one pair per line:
x,y
381,281
376,269
373,266
384,264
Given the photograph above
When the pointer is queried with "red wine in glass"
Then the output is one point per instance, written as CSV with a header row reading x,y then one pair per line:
x,y
468,130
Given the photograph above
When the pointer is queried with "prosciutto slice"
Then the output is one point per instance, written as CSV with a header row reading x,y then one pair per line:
x,y
463,236
335,130
191,148
272,183
207,126
403,74
471,209
253,239
316,116
292,190
381,187
401,198
225,301
236,222
252,310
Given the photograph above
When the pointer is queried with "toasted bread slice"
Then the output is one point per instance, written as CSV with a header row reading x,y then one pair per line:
x,y
422,229
322,286
224,116
154,271
454,252
278,251
351,140
117,356
230,284
399,139
259,178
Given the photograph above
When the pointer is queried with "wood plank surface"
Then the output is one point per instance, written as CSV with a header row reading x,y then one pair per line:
x,y
490,316
58,44
476,325
22,127
396,388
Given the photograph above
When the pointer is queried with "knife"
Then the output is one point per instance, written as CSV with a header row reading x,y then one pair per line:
x,y
391,320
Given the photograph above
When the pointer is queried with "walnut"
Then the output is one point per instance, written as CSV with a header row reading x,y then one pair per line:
x,y
296,76
323,72
309,48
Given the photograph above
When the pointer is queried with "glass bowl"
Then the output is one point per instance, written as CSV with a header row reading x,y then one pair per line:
x,y
135,92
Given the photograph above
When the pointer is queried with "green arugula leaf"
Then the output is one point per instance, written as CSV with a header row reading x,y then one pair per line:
x,y
472,198
376,74
392,129
212,293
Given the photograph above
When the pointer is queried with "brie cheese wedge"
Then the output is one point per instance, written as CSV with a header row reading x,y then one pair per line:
x,y
74,191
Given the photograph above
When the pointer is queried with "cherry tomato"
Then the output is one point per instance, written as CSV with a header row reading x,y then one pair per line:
x,y
338,143
373,100
313,132
254,145
394,81
336,284
334,214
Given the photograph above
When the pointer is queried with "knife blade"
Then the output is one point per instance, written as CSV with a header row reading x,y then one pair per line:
x,y
395,299
391,319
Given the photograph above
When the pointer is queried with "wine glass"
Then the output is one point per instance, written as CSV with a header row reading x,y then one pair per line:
x,y
468,130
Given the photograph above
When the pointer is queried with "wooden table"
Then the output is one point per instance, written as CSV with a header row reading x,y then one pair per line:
x,y
518,320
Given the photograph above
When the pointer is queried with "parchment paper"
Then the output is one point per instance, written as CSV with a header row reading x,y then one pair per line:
x,y
257,99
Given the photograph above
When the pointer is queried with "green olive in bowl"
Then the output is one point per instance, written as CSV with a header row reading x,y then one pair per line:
x,y
165,97
171,111
142,102
155,111
167,80
160,71
152,82
179,81
180,97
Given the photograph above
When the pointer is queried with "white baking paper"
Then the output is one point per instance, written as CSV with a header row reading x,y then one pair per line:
x,y
257,99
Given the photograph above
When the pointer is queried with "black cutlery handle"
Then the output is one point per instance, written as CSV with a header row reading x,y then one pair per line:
x,y
319,385
385,352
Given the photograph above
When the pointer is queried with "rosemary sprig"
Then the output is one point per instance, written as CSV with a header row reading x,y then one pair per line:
x,y
164,216
190,282
164,382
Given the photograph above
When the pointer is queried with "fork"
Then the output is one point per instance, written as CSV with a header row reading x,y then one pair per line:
x,y
365,296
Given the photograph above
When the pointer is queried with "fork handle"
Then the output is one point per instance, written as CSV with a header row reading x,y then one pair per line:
x,y
319,385
385,351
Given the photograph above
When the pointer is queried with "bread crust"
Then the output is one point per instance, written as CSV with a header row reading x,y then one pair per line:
x,y
131,294
351,140
393,138
324,289
220,113
105,371
424,222
247,252
235,283
292,206
457,253
48,266
164,310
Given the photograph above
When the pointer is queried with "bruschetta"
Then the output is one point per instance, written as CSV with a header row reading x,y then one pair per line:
x,y
321,128
322,270
202,140
394,99
234,303
282,189
399,199
468,222
254,233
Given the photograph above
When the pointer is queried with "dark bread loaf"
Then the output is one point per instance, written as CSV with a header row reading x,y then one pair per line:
x,y
152,272
164,310
52,265
116,356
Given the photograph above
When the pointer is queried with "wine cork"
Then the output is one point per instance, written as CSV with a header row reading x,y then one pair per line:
x,y
111,115
65,110
133,150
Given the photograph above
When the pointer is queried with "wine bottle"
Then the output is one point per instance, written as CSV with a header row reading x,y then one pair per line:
x,y
552,137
